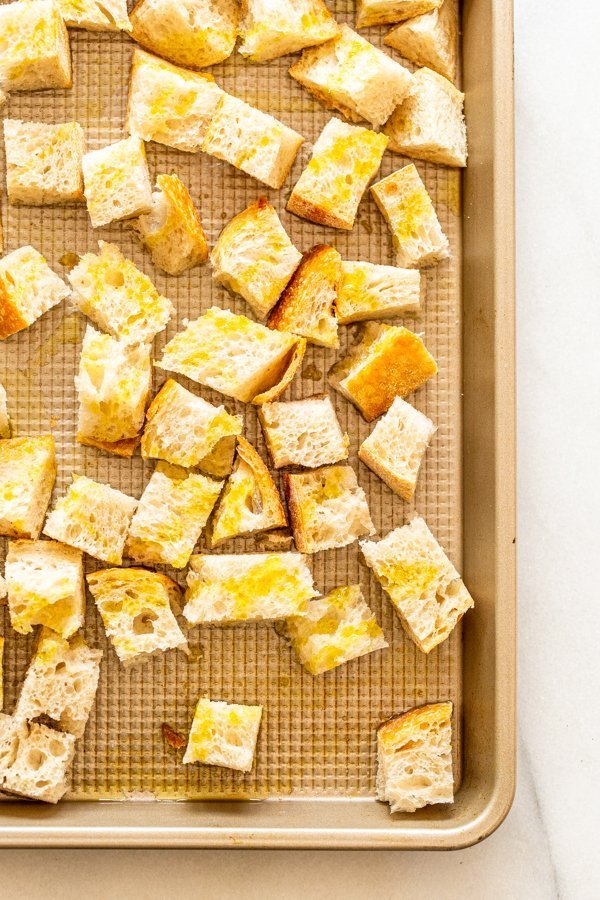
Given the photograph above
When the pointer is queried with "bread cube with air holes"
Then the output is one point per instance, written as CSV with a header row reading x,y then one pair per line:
x,y
45,586
423,585
254,257
336,628
27,473
171,514
406,206
95,15
34,760
303,433
34,47
384,362
328,508
187,431
118,297
382,12
28,289
193,33
223,734
273,28
414,758
137,608
94,518
60,683
395,448
117,182
369,291
429,39
43,163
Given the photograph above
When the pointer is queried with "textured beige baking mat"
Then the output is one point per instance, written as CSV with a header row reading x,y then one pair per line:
x,y
318,734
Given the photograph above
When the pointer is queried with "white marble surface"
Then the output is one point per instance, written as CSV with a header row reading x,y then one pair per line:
x,y
548,846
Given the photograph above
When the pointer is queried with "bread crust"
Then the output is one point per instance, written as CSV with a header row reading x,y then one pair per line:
x,y
317,214
125,448
394,728
295,357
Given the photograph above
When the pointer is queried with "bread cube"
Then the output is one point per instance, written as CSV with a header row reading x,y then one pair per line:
x,y
187,431
223,734
28,289
430,123
169,105
250,503
272,28
45,587
34,47
306,306
4,417
414,758
36,760
43,162
351,75
93,517
406,206
368,291
227,589
193,33
61,683
395,448
386,361
382,12
117,182
344,160
336,629
327,508
235,356
171,514
254,257
118,297
113,386
423,585
429,39
27,473
172,230
303,433
95,15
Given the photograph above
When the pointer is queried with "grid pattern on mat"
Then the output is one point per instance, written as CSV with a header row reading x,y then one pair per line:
x,y
318,734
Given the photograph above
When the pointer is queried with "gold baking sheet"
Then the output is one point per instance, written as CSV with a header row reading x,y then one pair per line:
x,y
318,734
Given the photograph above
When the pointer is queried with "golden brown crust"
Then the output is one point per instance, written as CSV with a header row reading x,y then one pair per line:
x,y
307,210
162,398
267,487
104,579
319,271
295,510
179,196
295,357
11,319
126,447
399,729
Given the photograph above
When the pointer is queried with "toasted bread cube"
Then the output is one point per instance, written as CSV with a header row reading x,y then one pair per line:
x,y
36,760
250,503
61,683
95,15
306,306
344,160
351,75
303,433
43,162
113,386
117,182
28,289
395,448
336,629
368,291
118,297
172,230
383,12
137,608
327,508
235,356
45,586
272,28
414,758
4,417
169,105
430,123
429,39
193,33
171,514
27,473
254,257
406,206
249,587
425,588
188,431
223,734
93,517
34,47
